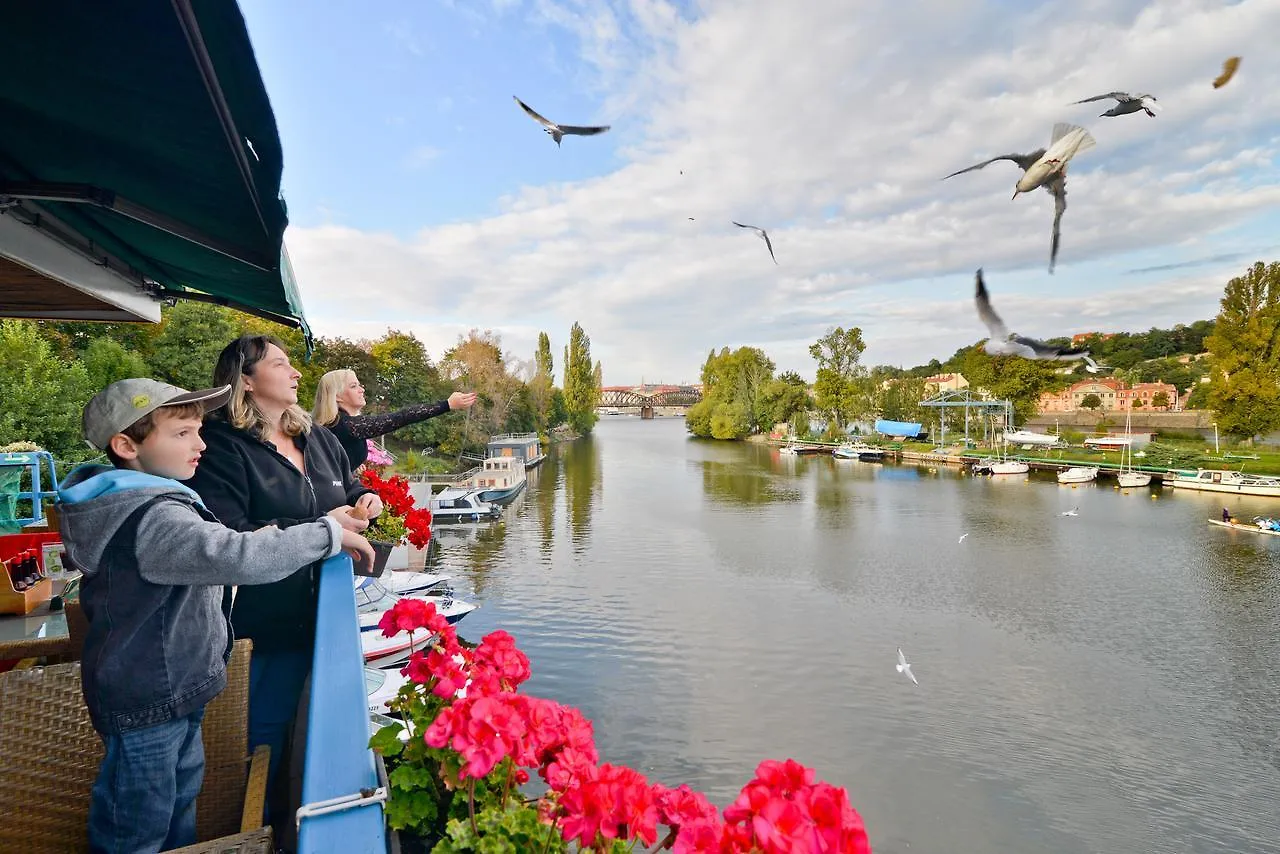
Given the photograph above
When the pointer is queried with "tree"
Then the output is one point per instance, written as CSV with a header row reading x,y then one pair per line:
x,y
580,394
478,363
1199,397
785,397
836,391
406,376
542,358
736,395
44,395
1160,400
106,361
542,385
1091,401
192,335
1245,353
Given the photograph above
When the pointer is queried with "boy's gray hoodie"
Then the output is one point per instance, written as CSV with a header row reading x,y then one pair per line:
x,y
155,562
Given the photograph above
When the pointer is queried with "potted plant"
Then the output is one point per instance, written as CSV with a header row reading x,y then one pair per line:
x,y
400,520
475,752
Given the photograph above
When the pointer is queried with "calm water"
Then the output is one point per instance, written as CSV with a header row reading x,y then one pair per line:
x,y
1103,683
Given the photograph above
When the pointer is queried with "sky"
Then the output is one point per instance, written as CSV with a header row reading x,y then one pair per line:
x,y
421,198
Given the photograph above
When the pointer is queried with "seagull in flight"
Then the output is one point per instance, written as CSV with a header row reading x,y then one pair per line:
x,y
559,132
903,667
1047,168
961,540
1002,342
760,231
1125,103
1074,511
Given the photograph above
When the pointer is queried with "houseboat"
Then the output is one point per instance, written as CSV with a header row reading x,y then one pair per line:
x,y
524,446
457,504
498,479
1218,480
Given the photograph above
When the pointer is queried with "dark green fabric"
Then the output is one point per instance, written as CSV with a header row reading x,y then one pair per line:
x,y
110,94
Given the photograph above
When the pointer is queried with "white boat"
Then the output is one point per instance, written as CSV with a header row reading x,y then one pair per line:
x,y
857,451
998,467
1128,477
456,504
788,451
451,609
377,721
1028,437
1218,480
499,479
381,651
381,686
400,581
1078,474
1255,528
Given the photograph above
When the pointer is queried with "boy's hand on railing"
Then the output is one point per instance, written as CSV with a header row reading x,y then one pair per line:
x,y
347,519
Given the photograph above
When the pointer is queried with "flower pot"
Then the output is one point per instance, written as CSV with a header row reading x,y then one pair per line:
x,y
381,551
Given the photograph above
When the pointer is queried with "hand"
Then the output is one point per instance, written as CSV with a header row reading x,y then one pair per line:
x,y
346,520
371,504
358,547
462,399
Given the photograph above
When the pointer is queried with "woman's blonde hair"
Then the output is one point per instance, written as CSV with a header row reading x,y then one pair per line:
x,y
326,409
235,362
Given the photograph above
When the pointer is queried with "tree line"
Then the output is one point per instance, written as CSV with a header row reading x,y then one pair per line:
x,y
49,370
742,395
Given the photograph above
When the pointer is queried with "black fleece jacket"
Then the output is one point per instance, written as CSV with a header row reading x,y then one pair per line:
x,y
248,485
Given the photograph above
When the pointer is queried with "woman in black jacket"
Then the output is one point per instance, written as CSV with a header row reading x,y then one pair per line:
x,y
340,399
266,464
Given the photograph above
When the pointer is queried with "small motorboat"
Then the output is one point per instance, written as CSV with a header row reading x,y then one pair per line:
x,y
380,651
451,609
454,504
1078,474
857,451
402,582
382,686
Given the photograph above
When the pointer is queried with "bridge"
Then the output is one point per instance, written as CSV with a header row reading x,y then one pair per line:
x,y
648,399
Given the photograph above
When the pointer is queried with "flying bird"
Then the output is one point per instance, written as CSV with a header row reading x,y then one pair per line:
x,y
1228,71
1074,511
763,234
1125,103
961,540
903,667
559,132
1047,168
1004,343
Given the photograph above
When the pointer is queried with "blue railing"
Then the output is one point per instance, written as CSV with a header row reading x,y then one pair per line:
x,y
339,763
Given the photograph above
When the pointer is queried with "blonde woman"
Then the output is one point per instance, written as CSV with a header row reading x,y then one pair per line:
x,y
340,399
266,465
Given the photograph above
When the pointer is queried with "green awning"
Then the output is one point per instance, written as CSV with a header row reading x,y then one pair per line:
x,y
140,131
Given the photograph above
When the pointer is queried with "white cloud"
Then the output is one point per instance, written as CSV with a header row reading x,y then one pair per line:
x,y
422,157
832,127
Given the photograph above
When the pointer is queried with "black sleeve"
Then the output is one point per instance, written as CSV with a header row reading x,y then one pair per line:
x,y
222,482
369,426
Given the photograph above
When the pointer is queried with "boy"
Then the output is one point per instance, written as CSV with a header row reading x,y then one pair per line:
x,y
154,562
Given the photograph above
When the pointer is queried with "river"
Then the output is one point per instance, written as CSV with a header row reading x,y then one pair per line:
x,y
1106,682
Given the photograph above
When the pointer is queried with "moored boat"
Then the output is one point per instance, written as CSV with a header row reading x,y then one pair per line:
x,y
1218,480
1078,474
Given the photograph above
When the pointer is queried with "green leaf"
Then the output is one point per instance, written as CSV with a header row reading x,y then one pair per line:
x,y
387,740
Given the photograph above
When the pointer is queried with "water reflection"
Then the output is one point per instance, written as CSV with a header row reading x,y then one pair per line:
x,y
580,463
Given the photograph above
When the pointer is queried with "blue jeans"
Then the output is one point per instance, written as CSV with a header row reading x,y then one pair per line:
x,y
144,799
275,686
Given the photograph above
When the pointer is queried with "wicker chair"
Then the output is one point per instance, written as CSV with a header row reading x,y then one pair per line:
x,y
50,755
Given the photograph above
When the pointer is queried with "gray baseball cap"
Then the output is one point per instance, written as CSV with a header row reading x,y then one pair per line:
x,y
125,402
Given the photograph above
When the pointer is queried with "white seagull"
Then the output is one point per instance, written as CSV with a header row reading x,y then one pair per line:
x,y
1074,511
763,234
1125,103
903,667
961,540
1004,343
559,132
1047,168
